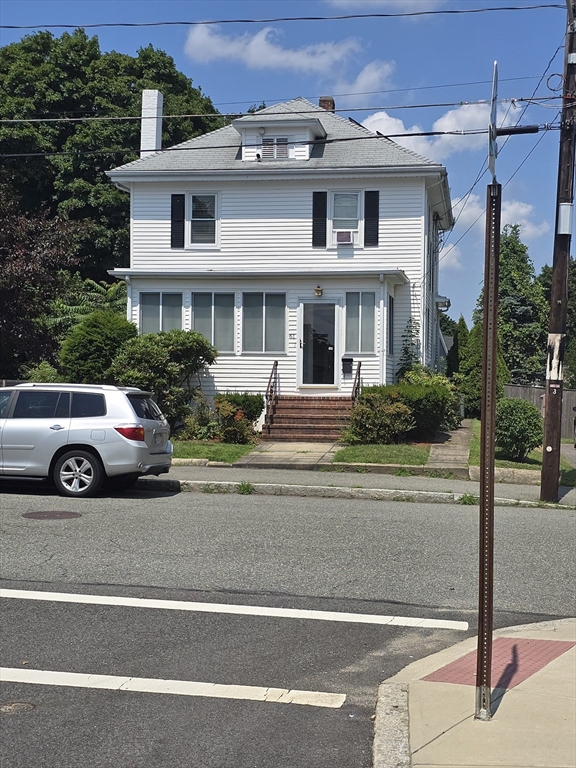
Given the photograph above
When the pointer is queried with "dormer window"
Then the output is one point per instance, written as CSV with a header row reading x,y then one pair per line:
x,y
274,148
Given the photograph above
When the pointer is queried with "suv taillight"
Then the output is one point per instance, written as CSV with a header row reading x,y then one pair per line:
x,y
131,433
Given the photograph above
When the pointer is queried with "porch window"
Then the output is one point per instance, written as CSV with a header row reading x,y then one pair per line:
x,y
264,322
360,322
390,324
213,317
160,312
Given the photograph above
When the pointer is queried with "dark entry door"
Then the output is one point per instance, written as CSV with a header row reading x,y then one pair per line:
x,y
318,343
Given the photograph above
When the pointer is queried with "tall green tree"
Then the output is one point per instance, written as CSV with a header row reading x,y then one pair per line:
x,y
456,351
522,311
470,375
33,251
46,77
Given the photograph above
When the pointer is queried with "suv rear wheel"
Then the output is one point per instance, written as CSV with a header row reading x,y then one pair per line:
x,y
78,473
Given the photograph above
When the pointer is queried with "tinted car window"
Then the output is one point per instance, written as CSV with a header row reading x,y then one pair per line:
x,y
145,407
4,400
36,405
85,405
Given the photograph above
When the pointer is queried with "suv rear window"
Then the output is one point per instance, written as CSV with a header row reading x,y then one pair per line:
x,y
145,408
85,405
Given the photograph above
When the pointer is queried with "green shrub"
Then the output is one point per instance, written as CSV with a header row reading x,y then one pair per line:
x,y
90,347
167,364
518,428
251,405
233,427
43,373
452,417
378,419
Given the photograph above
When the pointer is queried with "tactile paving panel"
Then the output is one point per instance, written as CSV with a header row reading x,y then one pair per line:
x,y
513,660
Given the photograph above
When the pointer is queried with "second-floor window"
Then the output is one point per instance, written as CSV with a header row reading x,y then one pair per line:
x,y
194,220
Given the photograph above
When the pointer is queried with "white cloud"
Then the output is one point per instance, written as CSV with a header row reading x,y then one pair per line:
x,y
373,77
472,213
468,117
263,51
451,258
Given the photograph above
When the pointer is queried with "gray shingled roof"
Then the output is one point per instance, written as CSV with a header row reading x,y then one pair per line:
x,y
220,150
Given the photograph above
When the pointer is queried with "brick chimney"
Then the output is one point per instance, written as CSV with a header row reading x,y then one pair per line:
x,y
327,103
151,129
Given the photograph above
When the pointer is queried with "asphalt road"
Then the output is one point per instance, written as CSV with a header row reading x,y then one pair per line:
x,y
361,557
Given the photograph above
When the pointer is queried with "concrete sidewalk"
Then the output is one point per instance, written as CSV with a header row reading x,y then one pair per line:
x,y
425,713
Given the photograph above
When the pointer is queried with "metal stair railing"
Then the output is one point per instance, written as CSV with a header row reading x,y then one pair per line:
x,y
271,396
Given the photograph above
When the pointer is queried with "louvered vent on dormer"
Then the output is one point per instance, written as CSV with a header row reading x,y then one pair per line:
x,y
274,148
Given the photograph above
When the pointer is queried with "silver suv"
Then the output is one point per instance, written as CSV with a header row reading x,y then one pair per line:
x,y
81,435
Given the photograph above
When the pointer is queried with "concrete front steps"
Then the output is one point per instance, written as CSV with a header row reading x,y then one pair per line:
x,y
297,418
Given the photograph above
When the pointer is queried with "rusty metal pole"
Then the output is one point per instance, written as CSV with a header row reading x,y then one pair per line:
x,y
560,262
488,416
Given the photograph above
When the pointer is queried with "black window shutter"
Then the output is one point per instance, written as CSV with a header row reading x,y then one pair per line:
x,y
177,222
371,212
319,213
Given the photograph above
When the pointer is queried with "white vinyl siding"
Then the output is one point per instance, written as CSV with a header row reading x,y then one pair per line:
x,y
268,226
160,312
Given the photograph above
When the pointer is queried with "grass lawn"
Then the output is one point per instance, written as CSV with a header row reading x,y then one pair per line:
x,y
198,449
532,461
405,453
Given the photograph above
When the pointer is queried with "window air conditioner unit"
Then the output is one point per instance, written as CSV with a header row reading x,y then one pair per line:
x,y
344,237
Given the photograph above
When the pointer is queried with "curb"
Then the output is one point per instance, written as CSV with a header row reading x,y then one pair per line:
x,y
449,471
331,492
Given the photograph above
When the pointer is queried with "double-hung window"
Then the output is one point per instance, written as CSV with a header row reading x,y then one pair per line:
x,y
360,321
264,322
160,312
274,148
345,217
194,220
213,317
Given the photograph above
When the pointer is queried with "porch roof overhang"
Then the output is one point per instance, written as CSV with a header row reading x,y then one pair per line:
x,y
394,276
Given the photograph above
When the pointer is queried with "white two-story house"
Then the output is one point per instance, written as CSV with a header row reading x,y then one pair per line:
x,y
291,235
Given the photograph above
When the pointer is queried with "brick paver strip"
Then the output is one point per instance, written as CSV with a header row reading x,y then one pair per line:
x,y
513,660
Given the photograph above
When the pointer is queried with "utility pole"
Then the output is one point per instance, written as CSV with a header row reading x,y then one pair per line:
x,y
560,263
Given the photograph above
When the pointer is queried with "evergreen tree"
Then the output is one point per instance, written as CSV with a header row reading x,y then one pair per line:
x,y
522,311
460,339
470,377
410,351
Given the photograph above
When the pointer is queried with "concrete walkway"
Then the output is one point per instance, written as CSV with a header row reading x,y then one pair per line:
x,y
425,713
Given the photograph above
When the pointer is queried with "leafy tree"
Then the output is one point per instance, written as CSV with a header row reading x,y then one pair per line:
x,y
470,376
33,249
447,324
166,364
518,428
522,311
91,346
410,350
79,298
42,76
459,341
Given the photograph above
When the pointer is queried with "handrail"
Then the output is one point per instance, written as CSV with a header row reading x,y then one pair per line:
x,y
356,386
271,395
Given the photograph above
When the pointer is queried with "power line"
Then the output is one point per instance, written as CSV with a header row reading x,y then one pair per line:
x,y
118,118
441,12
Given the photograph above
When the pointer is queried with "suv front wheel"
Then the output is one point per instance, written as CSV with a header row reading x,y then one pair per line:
x,y
78,473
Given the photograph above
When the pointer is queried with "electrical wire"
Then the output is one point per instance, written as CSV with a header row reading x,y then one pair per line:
x,y
343,17
119,118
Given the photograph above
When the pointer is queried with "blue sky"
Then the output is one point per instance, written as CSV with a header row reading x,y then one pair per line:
x,y
383,72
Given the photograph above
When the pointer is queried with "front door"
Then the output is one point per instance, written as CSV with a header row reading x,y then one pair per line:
x,y
318,337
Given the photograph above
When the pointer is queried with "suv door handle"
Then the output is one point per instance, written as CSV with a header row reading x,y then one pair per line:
x,y
57,427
